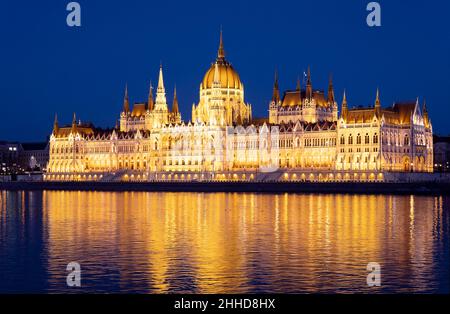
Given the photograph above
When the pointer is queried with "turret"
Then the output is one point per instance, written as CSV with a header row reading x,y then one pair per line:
x,y
74,123
378,105
55,125
175,102
309,90
221,51
161,102
126,103
344,112
276,90
426,118
331,92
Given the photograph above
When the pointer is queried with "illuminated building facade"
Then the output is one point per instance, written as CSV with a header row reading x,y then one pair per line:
x,y
303,139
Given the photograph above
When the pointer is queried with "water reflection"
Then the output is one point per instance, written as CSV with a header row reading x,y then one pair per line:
x,y
222,242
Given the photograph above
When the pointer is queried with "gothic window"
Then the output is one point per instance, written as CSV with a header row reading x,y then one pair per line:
x,y
367,139
406,140
375,138
350,139
358,139
342,140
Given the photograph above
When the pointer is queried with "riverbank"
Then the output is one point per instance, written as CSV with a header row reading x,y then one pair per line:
x,y
417,188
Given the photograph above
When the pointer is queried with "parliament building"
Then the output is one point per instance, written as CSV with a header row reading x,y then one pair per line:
x,y
304,138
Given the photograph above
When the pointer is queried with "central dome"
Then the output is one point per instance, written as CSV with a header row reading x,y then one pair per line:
x,y
229,78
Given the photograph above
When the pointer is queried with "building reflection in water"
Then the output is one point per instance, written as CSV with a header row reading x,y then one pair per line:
x,y
231,243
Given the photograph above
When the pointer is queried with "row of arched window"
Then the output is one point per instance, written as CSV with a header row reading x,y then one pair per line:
x,y
359,139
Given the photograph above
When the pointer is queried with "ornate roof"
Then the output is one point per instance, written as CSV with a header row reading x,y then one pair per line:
x,y
294,98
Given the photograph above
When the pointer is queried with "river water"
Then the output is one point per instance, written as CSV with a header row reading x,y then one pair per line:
x,y
144,242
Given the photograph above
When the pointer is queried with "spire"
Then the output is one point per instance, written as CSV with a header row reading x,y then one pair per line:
x,y
160,79
55,125
309,91
221,51
330,91
126,103
378,104
175,101
426,118
74,123
276,90
150,103
344,107
308,76
161,102
298,84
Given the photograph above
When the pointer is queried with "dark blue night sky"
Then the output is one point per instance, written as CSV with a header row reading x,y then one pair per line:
x,y
48,67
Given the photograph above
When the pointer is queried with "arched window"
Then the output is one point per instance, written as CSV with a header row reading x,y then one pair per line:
x,y
342,140
350,139
375,138
406,140
358,139
367,139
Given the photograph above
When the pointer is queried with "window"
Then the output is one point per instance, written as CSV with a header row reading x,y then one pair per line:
x,y
406,140
350,139
342,140
375,138
358,139
367,139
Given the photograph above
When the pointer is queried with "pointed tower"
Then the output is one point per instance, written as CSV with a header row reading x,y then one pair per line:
x,y
193,113
331,99
175,101
426,118
126,103
377,110
55,125
161,110
344,112
275,102
221,51
150,102
74,123
161,102
276,90
309,90
298,87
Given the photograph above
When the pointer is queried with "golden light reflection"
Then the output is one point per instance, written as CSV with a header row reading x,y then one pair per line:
x,y
225,243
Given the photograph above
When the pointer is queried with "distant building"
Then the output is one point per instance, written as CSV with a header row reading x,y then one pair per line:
x,y
16,158
9,157
441,153
34,156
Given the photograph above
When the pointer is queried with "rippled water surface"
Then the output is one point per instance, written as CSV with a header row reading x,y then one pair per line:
x,y
222,242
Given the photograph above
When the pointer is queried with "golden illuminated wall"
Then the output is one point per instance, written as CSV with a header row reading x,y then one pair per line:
x,y
359,147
